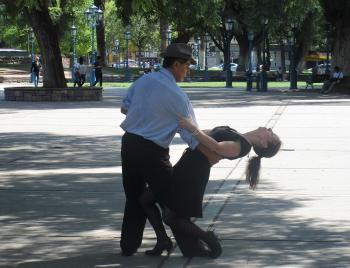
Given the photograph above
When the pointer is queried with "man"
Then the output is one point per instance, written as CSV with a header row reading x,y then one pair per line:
x,y
336,78
98,71
152,106
35,70
76,73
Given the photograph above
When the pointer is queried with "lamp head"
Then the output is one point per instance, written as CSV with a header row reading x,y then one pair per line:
x,y
229,24
99,15
206,36
93,9
127,35
250,35
73,30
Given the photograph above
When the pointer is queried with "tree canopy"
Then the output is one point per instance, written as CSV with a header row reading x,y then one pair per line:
x,y
149,20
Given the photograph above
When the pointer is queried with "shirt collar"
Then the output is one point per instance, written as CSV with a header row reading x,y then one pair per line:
x,y
168,74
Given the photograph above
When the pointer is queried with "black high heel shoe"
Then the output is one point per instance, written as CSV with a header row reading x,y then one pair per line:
x,y
160,247
214,244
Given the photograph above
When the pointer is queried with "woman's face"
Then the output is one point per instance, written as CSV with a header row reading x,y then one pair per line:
x,y
267,137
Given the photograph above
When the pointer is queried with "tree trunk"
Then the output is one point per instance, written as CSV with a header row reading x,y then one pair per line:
x,y
100,34
258,55
47,38
337,13
243,52
303,40
341,46
163,26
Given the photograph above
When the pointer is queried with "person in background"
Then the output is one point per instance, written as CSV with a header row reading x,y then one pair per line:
x,y
98,70
76,73
279,76
83,70
35,70
336,78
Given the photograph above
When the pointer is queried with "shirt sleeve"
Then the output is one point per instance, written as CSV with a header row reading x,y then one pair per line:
x,y
128,97
187,111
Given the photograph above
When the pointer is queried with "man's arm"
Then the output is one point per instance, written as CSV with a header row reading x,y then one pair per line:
x,y
223,148
126,102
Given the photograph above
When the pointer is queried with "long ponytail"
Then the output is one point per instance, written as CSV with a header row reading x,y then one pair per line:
x,y
254,163
253,170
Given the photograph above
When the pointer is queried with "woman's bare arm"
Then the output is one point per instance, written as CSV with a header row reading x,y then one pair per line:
x,y
223,148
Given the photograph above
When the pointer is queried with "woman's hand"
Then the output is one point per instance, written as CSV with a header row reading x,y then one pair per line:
x,y
187,123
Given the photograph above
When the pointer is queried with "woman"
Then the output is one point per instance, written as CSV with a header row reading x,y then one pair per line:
x,y
183,198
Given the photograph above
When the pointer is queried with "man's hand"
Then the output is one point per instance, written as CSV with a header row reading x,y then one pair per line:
x,y
123,110
187,123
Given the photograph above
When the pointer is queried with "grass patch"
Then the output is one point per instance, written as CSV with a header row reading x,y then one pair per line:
x,y
220,84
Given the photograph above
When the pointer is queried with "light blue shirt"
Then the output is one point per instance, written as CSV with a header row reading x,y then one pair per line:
x,y
153,103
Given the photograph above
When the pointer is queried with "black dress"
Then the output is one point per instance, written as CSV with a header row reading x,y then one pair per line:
x,y
191,174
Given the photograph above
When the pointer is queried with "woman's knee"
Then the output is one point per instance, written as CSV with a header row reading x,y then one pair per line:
x,y
147,198
168,216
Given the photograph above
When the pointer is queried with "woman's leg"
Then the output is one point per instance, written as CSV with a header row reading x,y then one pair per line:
x,y
148,202
187,227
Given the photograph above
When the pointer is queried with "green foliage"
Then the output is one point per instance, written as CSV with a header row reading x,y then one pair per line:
x,y
55,14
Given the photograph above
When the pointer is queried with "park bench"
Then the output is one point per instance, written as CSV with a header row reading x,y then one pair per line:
x,y
311,79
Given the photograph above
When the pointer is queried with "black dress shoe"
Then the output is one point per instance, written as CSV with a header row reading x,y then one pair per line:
x,y
128,252
202,251
160,247
214,244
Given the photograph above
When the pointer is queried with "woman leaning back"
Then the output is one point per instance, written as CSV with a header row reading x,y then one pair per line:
x,y
183,198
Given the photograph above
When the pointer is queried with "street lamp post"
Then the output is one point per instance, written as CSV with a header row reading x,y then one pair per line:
x,y
116,43
327,72
169,34
206,75
250,69
228,27
263,82
93,16
73,31
31,38
198,41
292,70
127,36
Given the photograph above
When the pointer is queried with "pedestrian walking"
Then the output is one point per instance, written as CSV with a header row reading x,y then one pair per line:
x,y
98,71
35,71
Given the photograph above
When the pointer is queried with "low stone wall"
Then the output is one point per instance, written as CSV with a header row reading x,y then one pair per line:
x,y
53,94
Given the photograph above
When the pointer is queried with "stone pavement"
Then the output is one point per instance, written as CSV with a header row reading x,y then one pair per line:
x,y
61,196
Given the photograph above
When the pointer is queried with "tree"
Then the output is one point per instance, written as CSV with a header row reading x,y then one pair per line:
x,y
143,32
152,10
49,20
100,33
337,14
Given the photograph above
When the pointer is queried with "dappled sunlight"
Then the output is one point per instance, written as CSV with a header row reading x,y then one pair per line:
x,y
62,198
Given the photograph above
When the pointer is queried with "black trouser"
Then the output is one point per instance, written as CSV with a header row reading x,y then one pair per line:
x,y
82,80
98,76
142,162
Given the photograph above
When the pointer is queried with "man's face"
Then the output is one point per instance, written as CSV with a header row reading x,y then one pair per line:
x,y
180,70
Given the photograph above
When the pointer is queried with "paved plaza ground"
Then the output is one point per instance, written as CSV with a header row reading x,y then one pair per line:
x,y
61,196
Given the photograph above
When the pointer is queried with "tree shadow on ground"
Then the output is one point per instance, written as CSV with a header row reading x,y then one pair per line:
x,y
264,231
61,201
